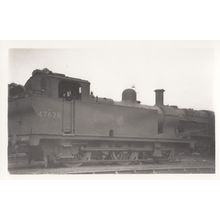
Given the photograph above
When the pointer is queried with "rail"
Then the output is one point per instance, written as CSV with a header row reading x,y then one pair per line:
x,y
136,169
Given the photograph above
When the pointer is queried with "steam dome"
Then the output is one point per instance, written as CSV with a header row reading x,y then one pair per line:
x,y
129,95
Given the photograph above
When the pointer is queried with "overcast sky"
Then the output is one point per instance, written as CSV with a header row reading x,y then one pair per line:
x,y
185,73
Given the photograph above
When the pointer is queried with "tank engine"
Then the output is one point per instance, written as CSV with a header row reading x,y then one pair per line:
x,y
56,118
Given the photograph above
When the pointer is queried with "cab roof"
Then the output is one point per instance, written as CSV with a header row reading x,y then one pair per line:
x,y
49,73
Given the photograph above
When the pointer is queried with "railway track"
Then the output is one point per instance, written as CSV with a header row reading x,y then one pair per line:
x,y
112,169
143,170
185,165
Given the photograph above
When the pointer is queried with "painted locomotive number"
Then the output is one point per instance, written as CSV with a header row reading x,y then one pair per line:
x,y
49,114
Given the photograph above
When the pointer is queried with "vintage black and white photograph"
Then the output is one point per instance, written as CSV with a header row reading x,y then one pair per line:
x,y
109,110
136,107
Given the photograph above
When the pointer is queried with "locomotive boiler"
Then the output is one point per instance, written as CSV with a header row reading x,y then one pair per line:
x,y
57,119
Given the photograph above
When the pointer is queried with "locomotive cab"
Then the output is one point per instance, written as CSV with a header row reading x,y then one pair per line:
x,y
55,85
44,105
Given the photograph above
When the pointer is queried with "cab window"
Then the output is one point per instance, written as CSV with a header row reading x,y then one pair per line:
x,y
69,90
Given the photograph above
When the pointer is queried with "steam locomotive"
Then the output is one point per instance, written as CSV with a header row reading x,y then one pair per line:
x,y
56,119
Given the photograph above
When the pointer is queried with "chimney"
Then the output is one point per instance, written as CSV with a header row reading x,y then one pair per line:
x,y
159,96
